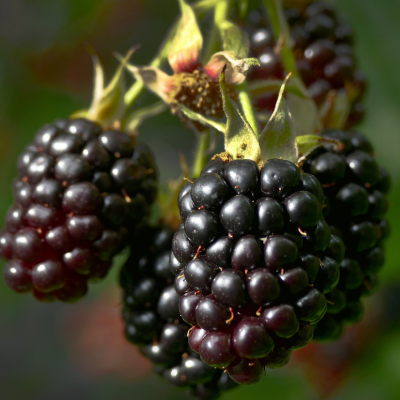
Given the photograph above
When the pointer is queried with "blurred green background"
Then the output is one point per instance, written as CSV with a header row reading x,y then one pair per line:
x,y
77,351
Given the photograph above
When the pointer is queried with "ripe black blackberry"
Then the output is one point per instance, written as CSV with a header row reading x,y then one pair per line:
x,y
79,191
152,320
252,260
323,46
355,189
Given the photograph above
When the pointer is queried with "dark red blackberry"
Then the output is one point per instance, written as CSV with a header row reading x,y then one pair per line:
x,y
358,205
323,47
153,323
79,191
245,285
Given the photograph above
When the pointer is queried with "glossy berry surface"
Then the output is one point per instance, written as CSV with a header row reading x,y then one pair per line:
x,y
324,52
355,188
245,255
153,322
78,193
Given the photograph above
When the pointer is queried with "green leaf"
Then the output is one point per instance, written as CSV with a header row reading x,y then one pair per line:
x,y
308,143
234,39
305,115
137,117
206,121
240,139
282,36
188,41
259,87
278,139
277,18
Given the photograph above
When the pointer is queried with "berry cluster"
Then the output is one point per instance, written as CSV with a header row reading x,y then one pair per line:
x,y
79,190
324,53
354,188
152,319
252,259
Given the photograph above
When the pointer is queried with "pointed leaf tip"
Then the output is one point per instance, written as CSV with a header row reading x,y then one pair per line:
x,y
278,139
240,139
108,103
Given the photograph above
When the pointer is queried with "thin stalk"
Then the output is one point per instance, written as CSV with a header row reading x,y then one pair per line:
x,y
247,106
200,160
214,43
137,88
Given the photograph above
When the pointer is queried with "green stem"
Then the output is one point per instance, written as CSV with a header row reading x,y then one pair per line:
x,y
220,14
273,15
247,106
137,88
200,160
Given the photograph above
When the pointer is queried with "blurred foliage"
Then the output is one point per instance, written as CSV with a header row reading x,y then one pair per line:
x,y
46,73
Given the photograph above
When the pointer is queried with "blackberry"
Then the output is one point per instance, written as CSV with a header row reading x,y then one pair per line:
x,y
79,191
323,47
358,204
246,268
152,321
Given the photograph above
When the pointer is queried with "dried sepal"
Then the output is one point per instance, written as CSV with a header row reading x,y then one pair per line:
x,y
154,79
240,139
236,68
186,46
278,139
108,107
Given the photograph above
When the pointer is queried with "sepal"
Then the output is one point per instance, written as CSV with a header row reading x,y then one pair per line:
x,y
236,68
108,107
278,139
187,43
240,139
